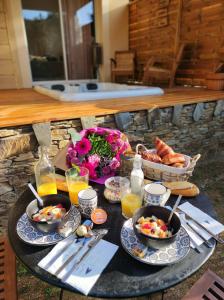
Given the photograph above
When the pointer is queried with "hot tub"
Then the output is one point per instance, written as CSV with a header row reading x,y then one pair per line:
x,y
86,91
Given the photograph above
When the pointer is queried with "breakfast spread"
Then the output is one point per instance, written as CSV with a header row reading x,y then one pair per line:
x,y
49,213
154,227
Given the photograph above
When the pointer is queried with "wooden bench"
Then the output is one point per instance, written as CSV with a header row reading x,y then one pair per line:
x,y
8,284
208,287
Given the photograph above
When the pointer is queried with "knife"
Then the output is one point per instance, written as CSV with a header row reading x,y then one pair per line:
x,y
207,243
56,251
184,222
215,236
89,243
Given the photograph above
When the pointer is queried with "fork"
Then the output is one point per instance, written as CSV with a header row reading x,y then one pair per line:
x,y
207,243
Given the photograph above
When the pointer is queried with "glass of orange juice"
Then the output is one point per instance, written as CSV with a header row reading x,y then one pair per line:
x,y
77,180
130,202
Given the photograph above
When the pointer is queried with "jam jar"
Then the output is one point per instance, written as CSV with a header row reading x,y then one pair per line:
x,y
115,188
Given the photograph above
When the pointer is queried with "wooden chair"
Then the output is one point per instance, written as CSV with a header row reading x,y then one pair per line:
x,y
208,287
155,69
8,284
123,65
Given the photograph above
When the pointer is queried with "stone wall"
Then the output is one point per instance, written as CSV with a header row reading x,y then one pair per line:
x,y
18,145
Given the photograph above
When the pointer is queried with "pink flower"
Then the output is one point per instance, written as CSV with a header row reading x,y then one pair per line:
x,y
106,170
71,152
90,167
101,131
94,160
123,148
83,146
75,161
117,145
83,133
114,164
112,137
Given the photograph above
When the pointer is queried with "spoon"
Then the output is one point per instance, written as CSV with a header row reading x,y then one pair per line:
x,y
174,209
40,202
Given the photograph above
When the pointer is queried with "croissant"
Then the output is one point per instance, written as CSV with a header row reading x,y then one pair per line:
x,y
151,157
162,148
173,158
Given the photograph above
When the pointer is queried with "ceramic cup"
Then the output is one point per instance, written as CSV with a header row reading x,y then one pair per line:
x,y
155,194
87,202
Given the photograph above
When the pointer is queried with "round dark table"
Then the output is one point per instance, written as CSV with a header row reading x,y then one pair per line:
x,y
124,276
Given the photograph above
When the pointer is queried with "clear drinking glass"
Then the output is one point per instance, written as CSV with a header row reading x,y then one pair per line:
x,y
77,180
130,202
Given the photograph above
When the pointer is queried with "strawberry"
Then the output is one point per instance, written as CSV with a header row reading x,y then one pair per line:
x,y
146,226
59,205
164,228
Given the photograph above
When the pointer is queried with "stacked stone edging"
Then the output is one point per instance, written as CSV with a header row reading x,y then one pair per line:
x,y
18,145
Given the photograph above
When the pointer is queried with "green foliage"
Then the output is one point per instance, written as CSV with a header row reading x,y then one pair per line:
x,y
48,292
21,269
100,146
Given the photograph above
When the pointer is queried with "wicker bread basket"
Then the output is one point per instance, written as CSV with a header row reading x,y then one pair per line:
x,y
163,172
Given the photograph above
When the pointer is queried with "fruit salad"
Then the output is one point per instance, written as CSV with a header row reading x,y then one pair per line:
x,y
153,226
49,213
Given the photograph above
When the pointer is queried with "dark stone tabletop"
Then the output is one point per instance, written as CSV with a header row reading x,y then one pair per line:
x,y
124,276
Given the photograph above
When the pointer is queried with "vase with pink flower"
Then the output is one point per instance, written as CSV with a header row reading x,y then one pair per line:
x,y
99,150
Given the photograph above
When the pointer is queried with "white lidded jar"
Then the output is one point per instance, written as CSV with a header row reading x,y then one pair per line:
x,y
137,175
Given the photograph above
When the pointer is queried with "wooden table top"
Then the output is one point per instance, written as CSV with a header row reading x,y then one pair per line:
x,y
26,106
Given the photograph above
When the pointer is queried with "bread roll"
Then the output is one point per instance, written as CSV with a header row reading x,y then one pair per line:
x,y
162,148
178,185
183,188
194,191
173,158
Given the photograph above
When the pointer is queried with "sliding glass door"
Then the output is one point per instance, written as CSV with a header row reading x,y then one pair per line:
x,y
60,36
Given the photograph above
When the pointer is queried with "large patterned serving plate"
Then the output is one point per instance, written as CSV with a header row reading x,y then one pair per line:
x,y
165,256
29,234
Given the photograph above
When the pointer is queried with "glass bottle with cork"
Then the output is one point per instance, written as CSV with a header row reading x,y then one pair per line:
x,y
45,173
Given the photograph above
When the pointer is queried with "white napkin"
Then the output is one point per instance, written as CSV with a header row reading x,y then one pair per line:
x,y
195,238
207,221
85,274
46,262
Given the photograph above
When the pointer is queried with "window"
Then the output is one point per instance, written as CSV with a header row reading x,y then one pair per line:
x,y
42,23
60,36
